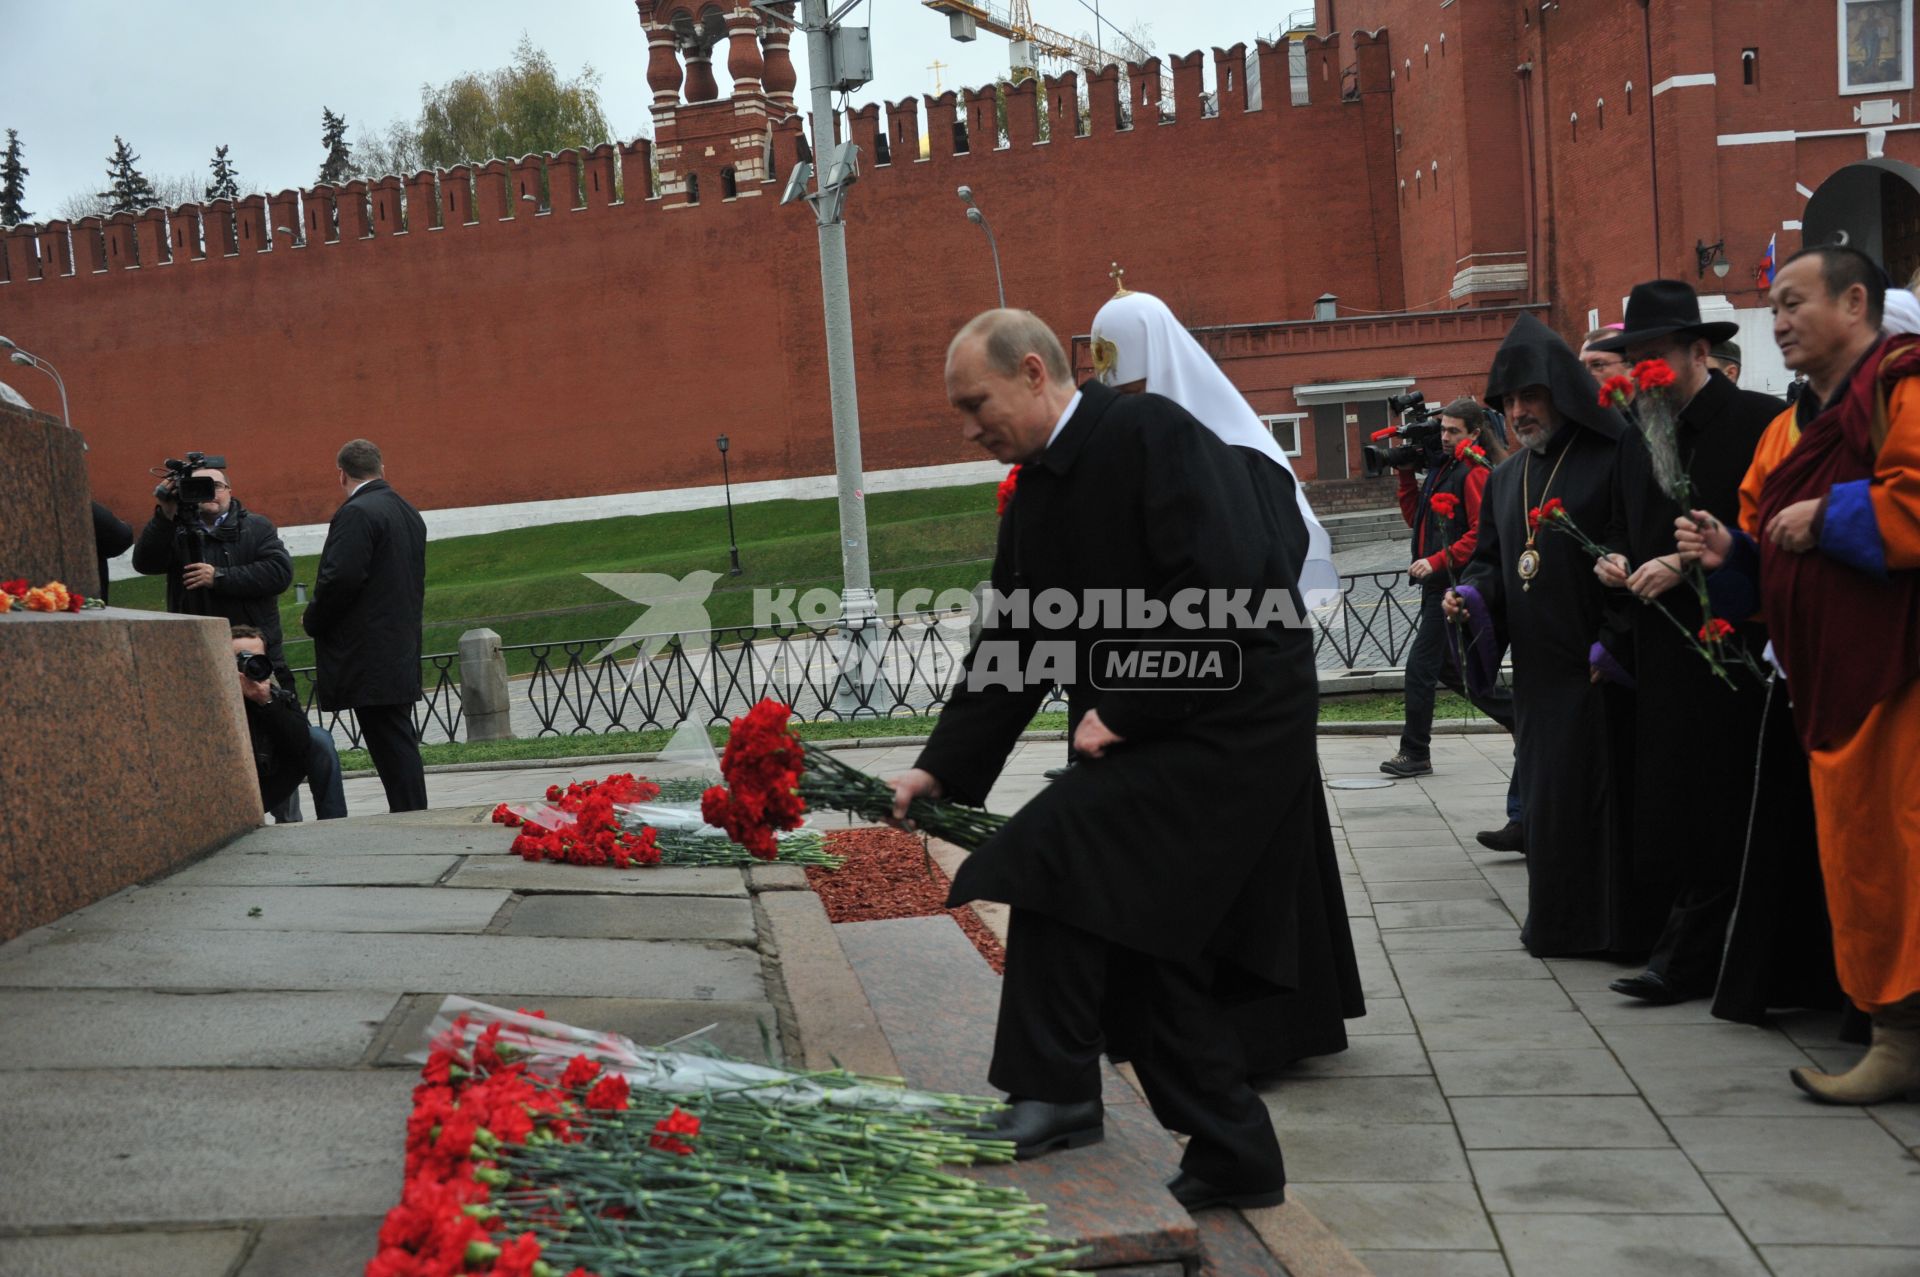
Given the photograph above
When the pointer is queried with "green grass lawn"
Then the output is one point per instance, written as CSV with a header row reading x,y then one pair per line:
x,y
1341,709
527,584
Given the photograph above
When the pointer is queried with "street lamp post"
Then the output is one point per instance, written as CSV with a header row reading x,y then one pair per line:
x,y
979,219
726,480
28,360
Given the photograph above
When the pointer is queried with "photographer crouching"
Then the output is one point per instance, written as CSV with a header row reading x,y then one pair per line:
x,y
277,727
1456,449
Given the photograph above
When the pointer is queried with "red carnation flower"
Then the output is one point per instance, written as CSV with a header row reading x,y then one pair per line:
x,y
667,1130
580,1071
1554,508
1444,504
1005,492
1652,374
1470,451
17,587
1533,518
1715,630
610,1092
1617,391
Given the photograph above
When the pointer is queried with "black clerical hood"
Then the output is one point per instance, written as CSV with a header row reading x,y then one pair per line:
x,y
1534,355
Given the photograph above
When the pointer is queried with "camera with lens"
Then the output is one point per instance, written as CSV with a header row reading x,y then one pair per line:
x,y
254,665
185,487
1414,442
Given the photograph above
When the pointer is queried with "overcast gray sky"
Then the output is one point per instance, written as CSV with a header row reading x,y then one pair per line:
x,y
178,80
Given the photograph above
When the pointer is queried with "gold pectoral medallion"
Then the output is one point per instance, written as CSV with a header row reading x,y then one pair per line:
x,y
1529,567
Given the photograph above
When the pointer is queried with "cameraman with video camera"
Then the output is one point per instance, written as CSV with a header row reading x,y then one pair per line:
x,y
1456,449
220,558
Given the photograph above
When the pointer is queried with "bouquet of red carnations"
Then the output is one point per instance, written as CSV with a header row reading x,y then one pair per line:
x,y
617,822
536,1149
773,777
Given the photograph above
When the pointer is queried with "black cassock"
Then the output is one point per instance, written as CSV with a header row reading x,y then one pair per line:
x,y
1571,738
1182,848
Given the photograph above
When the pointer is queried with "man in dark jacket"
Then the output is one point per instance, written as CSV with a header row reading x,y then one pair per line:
x,y
368,595
1155,881
277,728
1696,834
228,563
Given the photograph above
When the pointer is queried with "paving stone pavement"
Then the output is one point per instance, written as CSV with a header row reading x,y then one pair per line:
x,y
1494,1115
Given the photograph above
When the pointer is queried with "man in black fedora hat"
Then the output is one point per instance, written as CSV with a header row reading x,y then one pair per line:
x,y
1694,833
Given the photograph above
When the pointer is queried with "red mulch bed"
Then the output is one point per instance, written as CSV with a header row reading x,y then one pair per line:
x,y
888,874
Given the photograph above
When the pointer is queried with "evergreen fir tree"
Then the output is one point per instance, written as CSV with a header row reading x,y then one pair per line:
x,y
333,136
128,190
13,185
226,179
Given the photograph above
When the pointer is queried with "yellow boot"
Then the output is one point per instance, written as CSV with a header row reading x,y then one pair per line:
x,y
1889,1069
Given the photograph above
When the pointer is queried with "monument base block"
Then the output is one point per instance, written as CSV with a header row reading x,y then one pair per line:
x,y
123,754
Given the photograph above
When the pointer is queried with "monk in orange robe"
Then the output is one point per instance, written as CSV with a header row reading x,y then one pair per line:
x,y
1829,549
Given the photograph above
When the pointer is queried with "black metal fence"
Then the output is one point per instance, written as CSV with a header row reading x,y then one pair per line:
x,y
897,667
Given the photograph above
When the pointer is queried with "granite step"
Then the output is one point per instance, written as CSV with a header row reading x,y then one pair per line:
x,y
936,1001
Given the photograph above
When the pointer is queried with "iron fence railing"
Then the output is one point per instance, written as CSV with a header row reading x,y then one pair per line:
x,y
895,667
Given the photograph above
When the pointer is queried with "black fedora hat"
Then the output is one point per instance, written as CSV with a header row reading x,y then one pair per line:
x,y
1664,308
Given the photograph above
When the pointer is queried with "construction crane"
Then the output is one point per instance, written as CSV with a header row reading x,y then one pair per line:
x,y
1028,40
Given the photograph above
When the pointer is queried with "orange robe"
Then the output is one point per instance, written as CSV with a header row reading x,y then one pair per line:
x,y
1866,791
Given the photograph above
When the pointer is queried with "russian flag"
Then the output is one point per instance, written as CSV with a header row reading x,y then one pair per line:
x,y
1763,273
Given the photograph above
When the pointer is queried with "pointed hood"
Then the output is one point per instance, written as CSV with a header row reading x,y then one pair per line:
x,y
1534,355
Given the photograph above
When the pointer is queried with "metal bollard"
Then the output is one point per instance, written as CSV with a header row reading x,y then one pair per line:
x,y
484,701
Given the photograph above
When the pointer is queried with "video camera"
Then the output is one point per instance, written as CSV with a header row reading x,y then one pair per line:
x,y
1419,429
185,487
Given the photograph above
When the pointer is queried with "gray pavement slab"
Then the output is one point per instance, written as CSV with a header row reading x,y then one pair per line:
x,y
234,868
515,874
1387,1055
1351,1101
1433,1263
190,1145
390,837
1824,1207
1626,1246
740,1028
1406,1153
210,1252
86,1028
310,1247
1748,1145
1639,1181
716,920
1508,1030
1842,1261
1519,1072
1452,939
497,966
1486,913
1417,1216
1557,1121
166,907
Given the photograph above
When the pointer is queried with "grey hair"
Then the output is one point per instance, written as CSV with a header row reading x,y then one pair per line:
x,y
1010,336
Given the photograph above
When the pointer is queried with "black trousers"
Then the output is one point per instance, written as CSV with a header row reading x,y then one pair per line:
x,y
388,732
1690,945
1428,668
1067,992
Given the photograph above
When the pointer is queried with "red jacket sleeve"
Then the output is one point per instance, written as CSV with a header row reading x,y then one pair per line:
x,y
1462,548
1409,495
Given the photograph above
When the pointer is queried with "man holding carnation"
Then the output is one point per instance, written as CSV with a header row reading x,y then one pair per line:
x,y
1701,432
1829,547
1148,885
1531,588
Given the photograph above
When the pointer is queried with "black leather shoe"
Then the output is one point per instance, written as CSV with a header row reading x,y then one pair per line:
x,y
1035,1126
1055,773
1195,1194
1404,765
1651,986
1513,837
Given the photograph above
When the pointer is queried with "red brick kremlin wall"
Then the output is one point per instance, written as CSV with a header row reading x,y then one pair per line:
x,y
501,353
511,354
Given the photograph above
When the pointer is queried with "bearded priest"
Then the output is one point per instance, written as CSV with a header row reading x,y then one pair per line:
x,y
1530,586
